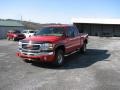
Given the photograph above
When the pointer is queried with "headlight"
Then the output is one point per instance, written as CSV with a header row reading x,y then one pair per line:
x,y
15,35
46,46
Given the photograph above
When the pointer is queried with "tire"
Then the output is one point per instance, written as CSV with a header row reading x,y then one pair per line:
x,y
8,38
14,39
59,58
83,49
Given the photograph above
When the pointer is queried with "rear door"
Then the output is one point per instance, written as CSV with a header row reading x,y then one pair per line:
x,y
77,38
72,40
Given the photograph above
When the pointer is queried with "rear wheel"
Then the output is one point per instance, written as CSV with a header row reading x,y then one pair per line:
x,y
83,49
14,39
59,58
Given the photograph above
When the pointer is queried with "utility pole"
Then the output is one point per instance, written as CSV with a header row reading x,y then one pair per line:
x,y
29,23
21,18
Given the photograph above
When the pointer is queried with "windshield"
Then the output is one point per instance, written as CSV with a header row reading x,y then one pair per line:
x,y
54,31
24,31
31,31
16,32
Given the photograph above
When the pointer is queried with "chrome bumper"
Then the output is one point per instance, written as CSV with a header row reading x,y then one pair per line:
x,y
36,54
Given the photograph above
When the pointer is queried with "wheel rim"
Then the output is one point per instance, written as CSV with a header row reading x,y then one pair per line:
x,y
59,58
84,48
13,39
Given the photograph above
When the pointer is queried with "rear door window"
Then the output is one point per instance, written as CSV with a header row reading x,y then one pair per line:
x,y
70,32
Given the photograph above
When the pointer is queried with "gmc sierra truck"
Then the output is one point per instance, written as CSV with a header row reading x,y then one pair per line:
x,y
52,43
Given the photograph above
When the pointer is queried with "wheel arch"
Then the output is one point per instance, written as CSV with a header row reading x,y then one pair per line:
x,y
61,46
86,41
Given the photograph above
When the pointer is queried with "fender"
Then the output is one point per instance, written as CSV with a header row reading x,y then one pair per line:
x,y
59,45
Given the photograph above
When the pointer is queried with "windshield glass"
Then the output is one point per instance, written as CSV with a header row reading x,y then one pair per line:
x,y
31,31
17,32
54,31
24,31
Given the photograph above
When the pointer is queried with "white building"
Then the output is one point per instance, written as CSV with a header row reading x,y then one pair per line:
x,y
6,25
98,26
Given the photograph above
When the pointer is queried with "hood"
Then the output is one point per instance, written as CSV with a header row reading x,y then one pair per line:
x,y
51,39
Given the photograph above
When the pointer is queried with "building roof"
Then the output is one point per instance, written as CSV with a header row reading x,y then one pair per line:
x,y
96,21
10,23
59,25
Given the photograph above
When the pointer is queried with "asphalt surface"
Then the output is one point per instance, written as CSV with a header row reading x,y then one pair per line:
x,y
97,69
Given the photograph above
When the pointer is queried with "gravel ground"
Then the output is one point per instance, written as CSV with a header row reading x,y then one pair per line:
x,y
97,69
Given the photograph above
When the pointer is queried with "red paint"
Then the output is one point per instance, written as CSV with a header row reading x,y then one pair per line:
x,y
44,38
70,44
14,35
49,58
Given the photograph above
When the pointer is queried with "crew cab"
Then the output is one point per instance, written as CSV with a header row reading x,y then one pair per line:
x,y
28,33
15,35
52,43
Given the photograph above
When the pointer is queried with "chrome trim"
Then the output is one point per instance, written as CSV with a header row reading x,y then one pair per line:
x,y
30,50
36,54
30,44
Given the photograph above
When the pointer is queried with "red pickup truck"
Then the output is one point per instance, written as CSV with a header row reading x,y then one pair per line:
x,y
52,43
15,35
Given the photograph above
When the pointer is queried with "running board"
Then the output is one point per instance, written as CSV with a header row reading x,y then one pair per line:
x,y
71,53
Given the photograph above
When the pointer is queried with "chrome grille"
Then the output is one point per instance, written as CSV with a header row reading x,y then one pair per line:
x,y
30,47
30,51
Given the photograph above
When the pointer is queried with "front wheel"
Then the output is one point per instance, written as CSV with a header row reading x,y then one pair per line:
x,y
59,58
14,39
8,38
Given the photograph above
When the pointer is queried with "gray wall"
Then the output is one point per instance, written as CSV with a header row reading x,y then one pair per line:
x,y
99,29
4,30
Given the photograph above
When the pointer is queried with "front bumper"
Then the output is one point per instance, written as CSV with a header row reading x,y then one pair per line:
x,y
42,57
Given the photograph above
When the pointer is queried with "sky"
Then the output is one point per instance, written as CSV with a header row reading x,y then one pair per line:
x,y
58,11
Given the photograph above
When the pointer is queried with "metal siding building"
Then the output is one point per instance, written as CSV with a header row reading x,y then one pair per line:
x,y
98,27
5,26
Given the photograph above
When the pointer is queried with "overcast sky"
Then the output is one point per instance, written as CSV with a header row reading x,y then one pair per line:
x,y
58,11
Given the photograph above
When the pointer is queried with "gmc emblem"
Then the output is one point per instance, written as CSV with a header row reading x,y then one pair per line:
x,y
29,46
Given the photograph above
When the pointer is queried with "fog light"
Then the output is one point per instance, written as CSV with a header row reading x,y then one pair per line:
x,y
45,58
